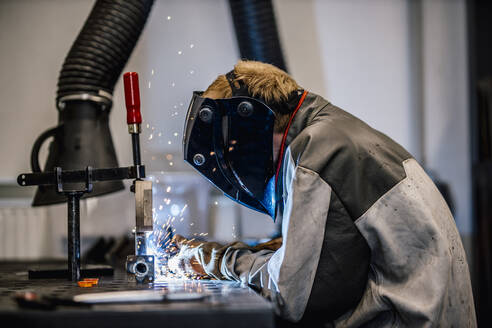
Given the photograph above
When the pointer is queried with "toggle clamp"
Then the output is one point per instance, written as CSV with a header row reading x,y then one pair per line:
x,y
73,184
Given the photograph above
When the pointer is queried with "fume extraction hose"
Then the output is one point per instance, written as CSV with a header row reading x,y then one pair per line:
x,y
102,48
256,31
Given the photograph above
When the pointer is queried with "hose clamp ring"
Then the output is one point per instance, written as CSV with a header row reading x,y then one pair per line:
x,y
104,99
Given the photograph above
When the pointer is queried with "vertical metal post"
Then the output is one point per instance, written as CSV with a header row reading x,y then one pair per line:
x,y
140,243
136,149
74,235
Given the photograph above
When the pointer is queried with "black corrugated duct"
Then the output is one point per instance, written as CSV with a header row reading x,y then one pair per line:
x,y
84,98
103,47
256,31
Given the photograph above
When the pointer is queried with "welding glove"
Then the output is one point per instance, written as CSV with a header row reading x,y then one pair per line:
x,y
204,258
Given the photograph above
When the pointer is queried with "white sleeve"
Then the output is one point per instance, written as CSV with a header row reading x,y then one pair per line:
x,y
286,276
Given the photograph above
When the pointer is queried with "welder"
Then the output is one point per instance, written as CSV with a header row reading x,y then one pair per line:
x,y
367,239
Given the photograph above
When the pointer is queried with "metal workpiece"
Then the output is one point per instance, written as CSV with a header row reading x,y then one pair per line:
x,y
141,267
143,206
140,243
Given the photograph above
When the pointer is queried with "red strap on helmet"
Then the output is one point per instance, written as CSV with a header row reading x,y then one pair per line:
x,y
282,145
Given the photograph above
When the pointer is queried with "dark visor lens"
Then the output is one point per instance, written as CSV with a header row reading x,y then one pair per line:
x,y
229,141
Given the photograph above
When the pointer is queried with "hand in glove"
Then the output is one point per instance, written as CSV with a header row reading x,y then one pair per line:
x,y
193,257
204,258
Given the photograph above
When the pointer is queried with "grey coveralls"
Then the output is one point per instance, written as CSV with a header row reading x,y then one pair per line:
x,y
368,239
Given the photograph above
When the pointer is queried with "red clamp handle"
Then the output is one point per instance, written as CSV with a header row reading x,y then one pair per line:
x,y
132,98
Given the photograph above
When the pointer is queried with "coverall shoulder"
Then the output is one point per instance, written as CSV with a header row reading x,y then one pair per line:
x,y
368,240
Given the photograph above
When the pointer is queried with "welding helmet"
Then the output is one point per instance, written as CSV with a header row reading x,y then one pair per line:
x,y
229,141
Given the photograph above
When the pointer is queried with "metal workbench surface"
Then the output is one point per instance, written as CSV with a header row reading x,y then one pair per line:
x,y
227,304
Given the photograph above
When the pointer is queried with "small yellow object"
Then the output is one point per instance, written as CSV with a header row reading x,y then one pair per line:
x,y
85,284
88,282
91,279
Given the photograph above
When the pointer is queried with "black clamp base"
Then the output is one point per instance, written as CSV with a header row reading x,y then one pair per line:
x,y
87,176
73,271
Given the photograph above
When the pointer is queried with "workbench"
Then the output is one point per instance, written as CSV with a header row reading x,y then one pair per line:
x,y
227,304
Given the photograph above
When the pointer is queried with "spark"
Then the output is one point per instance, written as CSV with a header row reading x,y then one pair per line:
x,y
173,84
152,72
171,164
168,17
148,125
183,209
192,72
175,134
149,84
174,211
168,189
160,207
151,136
180,52
169,142
192,46
216,203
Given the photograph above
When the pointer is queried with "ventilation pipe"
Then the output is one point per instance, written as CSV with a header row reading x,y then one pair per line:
x,y
256,31
85,90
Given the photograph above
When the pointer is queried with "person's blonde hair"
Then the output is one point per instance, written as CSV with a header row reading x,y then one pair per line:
x,y
263,80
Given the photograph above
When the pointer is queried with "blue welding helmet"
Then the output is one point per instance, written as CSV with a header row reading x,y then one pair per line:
x,y
229,141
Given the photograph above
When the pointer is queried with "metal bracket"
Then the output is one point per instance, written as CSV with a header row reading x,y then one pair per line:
x,y
143,205
142,267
